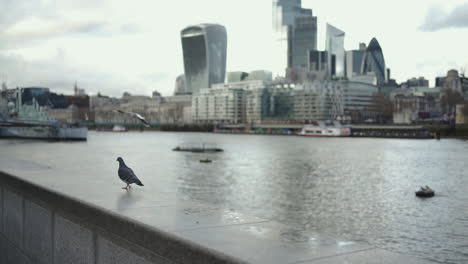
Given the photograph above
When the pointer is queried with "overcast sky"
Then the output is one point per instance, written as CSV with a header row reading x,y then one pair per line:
x,y
112,46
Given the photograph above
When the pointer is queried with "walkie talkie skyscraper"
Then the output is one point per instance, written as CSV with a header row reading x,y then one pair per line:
x,y
204,50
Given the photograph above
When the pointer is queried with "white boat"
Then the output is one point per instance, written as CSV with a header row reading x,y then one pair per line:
x,y
119,128
115,128
325,129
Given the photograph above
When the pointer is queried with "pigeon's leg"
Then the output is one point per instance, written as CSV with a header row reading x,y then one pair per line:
x,y
129,186
126,187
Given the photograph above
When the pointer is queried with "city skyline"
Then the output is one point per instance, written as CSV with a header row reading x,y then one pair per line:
x,y
105,48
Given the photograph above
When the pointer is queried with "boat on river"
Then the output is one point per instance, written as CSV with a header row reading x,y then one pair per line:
x,y
116,128
200,149
425,192
325,129
32,122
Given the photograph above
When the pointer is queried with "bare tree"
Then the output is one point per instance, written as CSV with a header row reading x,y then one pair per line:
x,y
465,109
462,71
382,106
450,98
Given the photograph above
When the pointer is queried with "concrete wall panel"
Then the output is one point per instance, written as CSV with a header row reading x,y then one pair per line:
x,y
73,243
13,217
12,255
1,211
38,232
109,253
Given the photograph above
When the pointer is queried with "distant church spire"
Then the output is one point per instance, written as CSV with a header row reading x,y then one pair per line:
x,y
4,80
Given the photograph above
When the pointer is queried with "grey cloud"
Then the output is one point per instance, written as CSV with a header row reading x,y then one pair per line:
x,y
130,28
155,77
58,75
14,11
64,29
29,38
53,13
437,19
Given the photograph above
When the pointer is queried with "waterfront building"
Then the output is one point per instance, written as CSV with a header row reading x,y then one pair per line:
x,y
358,104
415,103
439,81
260,75
333,100
461,117
223,103
334,45
262,102
237,76
156,95
180,88
204,50
453,81
67,115
3,104
353,62
257,106
257,101
175,109
416,82
318,100
374,62
369,78
281,104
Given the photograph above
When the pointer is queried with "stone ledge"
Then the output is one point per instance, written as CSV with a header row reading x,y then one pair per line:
x,y
162,243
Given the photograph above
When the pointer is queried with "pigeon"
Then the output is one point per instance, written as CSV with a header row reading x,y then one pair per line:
x,y
127,175
140,117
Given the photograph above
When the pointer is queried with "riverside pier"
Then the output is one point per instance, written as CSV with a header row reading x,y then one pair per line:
x,y
420,132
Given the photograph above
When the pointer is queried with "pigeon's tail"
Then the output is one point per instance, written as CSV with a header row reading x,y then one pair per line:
x,y
139,183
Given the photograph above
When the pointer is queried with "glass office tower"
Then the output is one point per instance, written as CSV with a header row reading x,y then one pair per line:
x,y
374,62
204,49
299,27
334,45
353,62
303,39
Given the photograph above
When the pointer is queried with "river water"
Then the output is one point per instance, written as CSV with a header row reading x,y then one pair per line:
x,y
357,188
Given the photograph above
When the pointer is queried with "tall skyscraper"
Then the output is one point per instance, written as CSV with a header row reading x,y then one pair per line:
x,y
318,61
204,49
374,62
299,27
334,45
285,13
302,38
353,62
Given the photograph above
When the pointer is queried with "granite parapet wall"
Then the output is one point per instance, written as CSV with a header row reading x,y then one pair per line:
x,y
41,226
